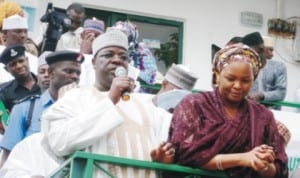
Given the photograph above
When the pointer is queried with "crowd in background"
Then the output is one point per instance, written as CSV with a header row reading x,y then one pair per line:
x,y
85,95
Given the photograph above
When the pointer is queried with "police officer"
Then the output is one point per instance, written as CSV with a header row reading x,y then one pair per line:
x,y
64,68
24,83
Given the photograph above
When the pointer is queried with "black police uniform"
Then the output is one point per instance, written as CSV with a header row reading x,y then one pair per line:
x,y
12,92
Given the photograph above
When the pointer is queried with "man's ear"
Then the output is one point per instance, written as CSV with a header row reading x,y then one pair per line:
x,y
4,35
164,84
94,61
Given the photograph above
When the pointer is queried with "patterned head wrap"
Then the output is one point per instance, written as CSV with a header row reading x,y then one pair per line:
x,y
128,28
8,9
237,52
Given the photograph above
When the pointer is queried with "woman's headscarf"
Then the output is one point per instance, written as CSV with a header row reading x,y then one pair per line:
x,y
237,52
8,9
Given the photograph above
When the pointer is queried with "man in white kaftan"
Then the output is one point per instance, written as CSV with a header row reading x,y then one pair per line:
x,y
96,120
27,159
87,118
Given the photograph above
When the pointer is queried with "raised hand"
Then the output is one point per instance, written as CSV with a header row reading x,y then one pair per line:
x,y
118,86
87,39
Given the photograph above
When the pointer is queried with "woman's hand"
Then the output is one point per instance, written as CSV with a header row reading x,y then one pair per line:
x,y
260,157
164,153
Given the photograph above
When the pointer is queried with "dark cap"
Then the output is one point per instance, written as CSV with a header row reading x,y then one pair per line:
x,y
253,39
64,55
11,53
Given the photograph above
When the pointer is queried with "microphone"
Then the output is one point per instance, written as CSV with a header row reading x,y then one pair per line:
x,y
121,72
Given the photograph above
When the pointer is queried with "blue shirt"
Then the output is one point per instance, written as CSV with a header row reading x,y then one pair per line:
x,y
16,129
273,80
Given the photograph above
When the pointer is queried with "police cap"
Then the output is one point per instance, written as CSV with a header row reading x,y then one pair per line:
x,y
12,52
64,55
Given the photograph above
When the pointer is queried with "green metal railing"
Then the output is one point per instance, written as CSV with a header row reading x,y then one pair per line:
x,y
81,165
155,88
282,103
293,163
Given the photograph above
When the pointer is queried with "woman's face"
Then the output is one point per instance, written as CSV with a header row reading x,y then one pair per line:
x,y
235,81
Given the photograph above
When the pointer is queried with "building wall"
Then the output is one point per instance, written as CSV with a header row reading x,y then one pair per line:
x,y
205,22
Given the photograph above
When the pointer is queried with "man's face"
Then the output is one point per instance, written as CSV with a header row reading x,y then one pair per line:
x,y
43,77
63,73
15,36
260,51
105,63
75,18
18,67
268,52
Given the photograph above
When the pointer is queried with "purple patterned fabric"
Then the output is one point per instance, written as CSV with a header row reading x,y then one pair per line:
x,y
200,130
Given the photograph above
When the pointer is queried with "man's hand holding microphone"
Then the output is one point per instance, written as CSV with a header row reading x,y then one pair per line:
x,y
121,85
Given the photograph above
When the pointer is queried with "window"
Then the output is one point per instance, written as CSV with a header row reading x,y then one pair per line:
x,y
163,37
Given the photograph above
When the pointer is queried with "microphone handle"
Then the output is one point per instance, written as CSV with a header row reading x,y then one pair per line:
x,y
125,96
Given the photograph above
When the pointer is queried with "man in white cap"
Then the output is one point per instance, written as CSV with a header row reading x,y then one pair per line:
x,y
179,81
43,71
271,83
97,120
92,28
15,33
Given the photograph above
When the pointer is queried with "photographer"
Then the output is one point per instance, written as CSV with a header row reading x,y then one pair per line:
x,y
71,39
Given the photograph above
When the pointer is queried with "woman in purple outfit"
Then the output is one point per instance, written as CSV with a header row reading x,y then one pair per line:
x,y
222,130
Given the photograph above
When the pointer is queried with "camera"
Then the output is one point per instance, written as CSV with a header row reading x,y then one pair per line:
x,y
58,23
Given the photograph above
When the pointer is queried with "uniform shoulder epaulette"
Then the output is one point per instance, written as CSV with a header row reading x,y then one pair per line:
x,y
26,98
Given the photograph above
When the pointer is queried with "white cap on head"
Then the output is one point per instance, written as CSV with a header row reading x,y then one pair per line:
x,y
181,76
268,41
42,58
15,22
112,37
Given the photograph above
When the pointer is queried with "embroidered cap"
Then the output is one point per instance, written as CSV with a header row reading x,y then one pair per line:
x,y
181,77
64,55
42,58
268,41
94,25
112,37
11,53
15,22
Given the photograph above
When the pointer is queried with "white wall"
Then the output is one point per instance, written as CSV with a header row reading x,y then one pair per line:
x,y
205,22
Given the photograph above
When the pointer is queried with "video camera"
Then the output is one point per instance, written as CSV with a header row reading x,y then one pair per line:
x,y
58,23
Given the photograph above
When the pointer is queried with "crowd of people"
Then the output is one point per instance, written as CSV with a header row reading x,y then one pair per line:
x,y
70,99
